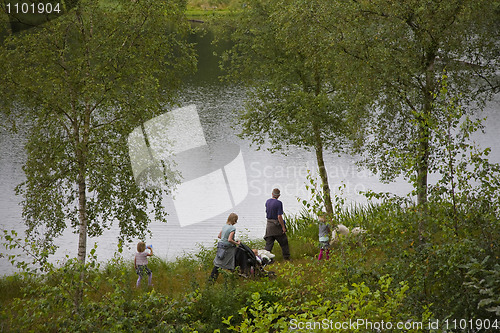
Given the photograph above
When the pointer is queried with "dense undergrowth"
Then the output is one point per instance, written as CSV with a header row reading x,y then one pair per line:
x,y
387,275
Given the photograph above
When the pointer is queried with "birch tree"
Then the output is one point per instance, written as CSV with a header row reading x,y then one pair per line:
x,y
80,84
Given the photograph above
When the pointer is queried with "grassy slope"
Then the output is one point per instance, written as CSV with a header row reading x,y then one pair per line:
x,y
185,299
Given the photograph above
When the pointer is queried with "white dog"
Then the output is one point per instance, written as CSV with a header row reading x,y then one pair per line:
x,y
343,230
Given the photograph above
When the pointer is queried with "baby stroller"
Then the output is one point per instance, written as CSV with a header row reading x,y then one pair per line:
x,y
249,265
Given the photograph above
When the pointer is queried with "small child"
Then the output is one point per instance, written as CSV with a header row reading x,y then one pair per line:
x,y
263,256
141,263
324,238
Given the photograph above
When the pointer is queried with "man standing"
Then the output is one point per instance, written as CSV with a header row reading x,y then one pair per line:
x,y
275,228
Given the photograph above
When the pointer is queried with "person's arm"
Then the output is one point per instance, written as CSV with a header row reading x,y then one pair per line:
x,y
280,217
150,251
135,262
280,220
220,234
231,239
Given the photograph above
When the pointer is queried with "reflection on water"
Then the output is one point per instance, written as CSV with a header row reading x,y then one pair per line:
x,y
216,103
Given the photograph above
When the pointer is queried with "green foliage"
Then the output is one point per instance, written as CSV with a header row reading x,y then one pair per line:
x,y
385,275
484,284
315,204
384,303
12,242
79,85
439,270
303,227
206,255
404,48
49,302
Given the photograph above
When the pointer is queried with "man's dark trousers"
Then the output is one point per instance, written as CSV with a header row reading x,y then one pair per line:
x,y
282,241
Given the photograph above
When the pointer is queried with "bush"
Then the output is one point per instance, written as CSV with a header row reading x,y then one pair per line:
x,y
320,313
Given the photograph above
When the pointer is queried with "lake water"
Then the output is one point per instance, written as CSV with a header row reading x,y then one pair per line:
x,y
215,104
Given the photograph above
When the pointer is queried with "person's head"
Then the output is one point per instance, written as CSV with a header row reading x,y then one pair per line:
x,y
276,193
232,218
141,247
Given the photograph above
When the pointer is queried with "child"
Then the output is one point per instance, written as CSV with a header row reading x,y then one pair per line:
x,y
324,238
226,248
141,263
263,256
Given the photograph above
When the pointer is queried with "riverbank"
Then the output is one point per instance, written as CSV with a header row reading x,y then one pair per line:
x,y
385,274
199,10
